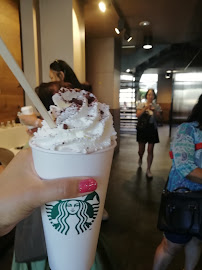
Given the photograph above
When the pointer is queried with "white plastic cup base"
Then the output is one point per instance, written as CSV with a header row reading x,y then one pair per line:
x,y
72,226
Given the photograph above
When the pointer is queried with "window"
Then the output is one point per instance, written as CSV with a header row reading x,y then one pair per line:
x,y
147,81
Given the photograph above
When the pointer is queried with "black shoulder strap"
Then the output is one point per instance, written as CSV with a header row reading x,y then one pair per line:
x,y
166,184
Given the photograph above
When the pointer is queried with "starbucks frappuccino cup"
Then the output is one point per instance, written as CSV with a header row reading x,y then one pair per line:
x,y
72,226
81,144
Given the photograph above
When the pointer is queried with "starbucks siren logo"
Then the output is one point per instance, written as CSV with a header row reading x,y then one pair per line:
x,y
79,213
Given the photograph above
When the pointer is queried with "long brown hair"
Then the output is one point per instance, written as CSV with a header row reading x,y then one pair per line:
x,y
45,91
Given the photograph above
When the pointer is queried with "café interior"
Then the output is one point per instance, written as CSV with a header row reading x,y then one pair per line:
x,y
121,50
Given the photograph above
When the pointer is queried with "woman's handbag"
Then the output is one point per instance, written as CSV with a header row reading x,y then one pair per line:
x,y
180,211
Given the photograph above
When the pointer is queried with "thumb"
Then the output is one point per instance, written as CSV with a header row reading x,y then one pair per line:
x,y
65,188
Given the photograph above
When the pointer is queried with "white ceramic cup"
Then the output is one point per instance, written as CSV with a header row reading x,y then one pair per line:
x,y
72,226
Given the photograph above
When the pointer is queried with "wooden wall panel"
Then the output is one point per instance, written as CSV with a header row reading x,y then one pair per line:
x,y
11,94
165,112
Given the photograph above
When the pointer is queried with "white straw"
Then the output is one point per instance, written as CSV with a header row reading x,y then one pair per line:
x,y
14,67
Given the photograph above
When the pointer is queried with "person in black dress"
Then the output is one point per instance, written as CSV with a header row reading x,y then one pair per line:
x,y
147,132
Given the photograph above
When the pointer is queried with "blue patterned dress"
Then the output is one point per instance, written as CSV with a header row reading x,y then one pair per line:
x,y
185,157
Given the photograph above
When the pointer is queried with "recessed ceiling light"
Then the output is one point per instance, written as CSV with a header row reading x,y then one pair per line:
x,y
117,30
129,39
102,6
147,46
128,70
144,23
120,26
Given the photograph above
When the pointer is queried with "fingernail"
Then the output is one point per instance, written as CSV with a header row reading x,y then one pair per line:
x,y
87,185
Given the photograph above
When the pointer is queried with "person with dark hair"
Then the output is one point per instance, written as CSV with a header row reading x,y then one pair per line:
x,y
186,171
60,74
147,132
61,71
45,91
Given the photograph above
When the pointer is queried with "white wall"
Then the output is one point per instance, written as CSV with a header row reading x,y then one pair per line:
x,y
56,31
79,41
61,35
102,74
29,44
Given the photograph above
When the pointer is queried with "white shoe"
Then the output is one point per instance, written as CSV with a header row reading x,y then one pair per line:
x,y
105,215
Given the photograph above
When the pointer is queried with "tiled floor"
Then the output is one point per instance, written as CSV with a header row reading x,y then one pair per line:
x,y
129,239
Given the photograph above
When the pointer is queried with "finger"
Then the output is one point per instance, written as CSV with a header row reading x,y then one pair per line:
x,y
65,188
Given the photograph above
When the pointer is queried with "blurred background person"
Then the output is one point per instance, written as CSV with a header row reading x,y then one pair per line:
x,y
59,71
147,113
186,172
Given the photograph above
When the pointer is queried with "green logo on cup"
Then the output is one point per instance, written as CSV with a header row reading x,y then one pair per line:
x,y
75,215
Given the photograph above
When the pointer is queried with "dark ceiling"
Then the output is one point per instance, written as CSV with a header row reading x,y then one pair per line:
x,y
176,27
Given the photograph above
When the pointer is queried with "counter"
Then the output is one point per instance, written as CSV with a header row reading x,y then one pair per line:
x,y
12,137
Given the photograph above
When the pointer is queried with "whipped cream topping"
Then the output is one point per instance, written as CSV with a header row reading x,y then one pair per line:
x,y
82,123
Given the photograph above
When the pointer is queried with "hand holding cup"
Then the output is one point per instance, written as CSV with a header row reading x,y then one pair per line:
x,y
22,190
